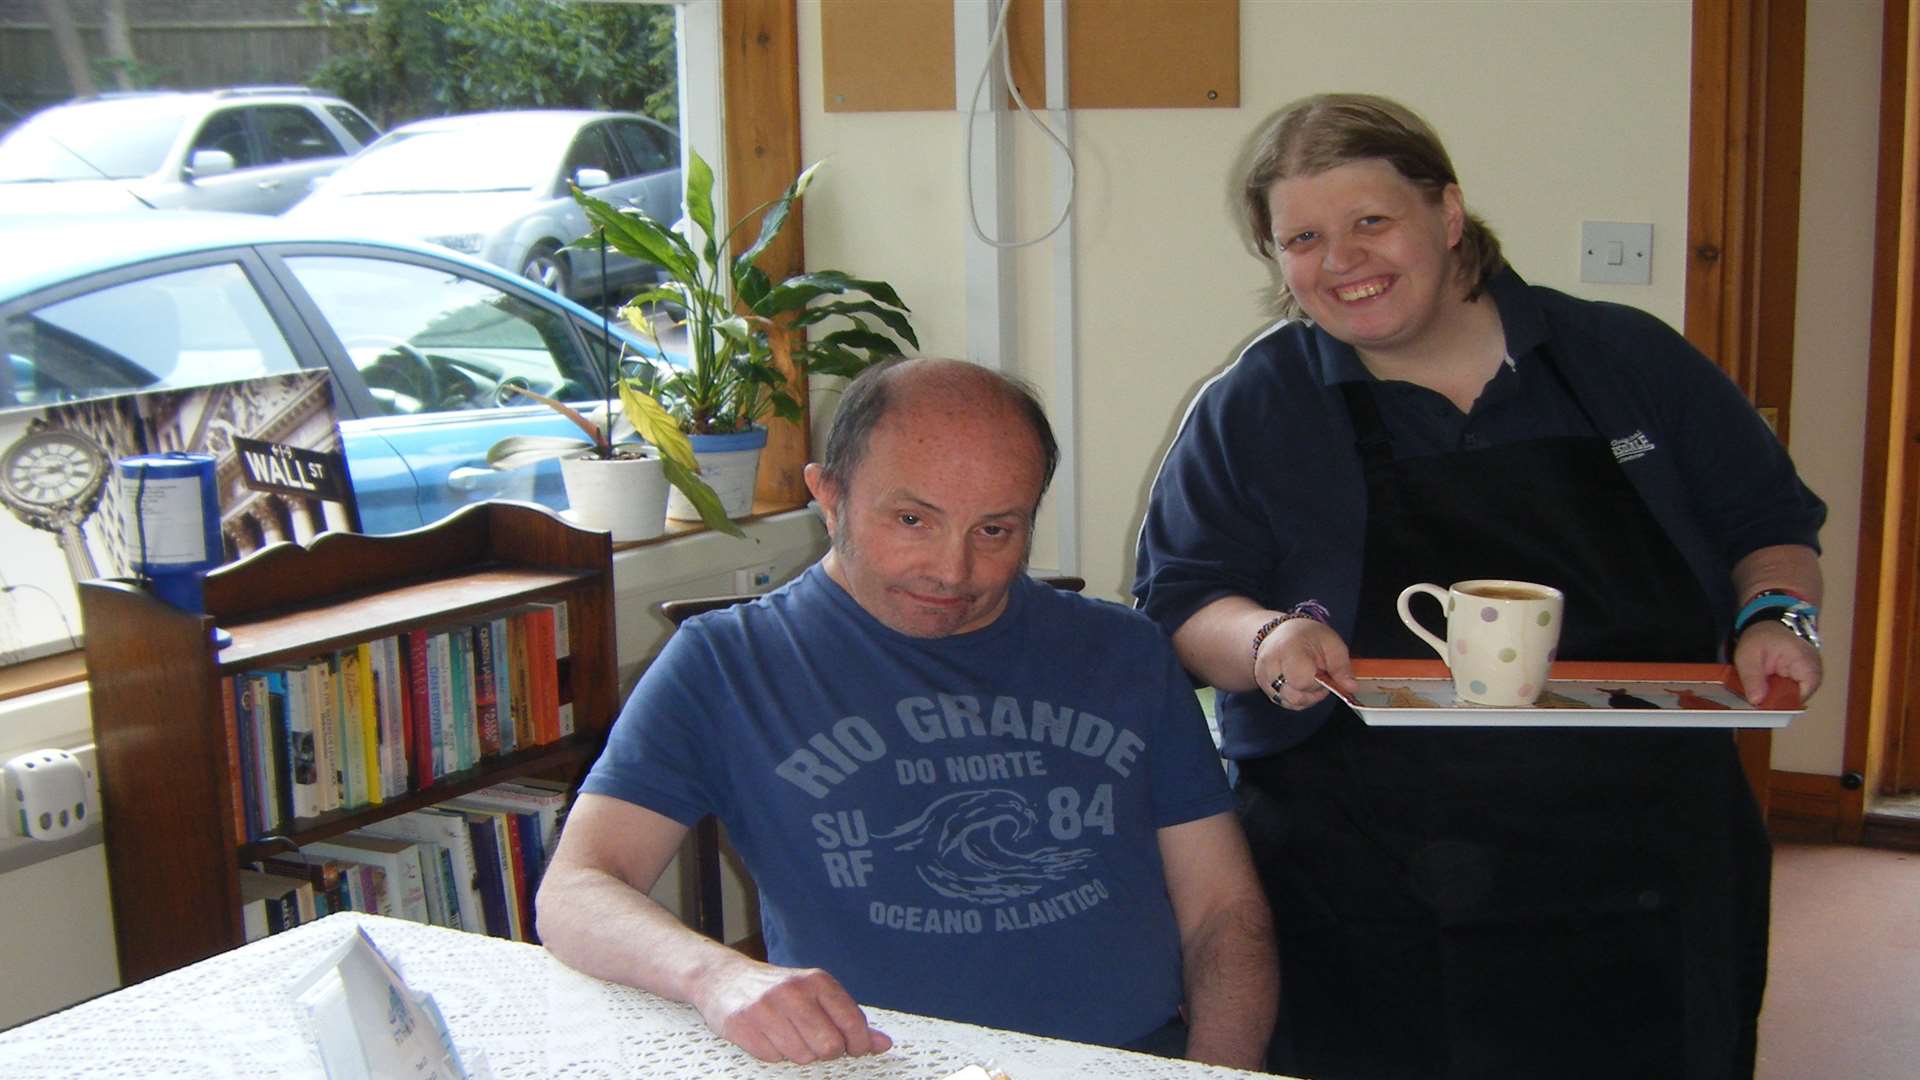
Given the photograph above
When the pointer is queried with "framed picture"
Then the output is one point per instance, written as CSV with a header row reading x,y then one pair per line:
x,y
278,468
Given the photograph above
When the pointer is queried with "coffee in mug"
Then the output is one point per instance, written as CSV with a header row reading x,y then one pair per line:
x,y
1501,636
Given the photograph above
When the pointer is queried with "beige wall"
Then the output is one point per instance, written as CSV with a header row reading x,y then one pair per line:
x,y
1555,113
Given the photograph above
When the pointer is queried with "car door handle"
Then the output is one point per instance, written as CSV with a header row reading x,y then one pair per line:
x,y
269,185
468,478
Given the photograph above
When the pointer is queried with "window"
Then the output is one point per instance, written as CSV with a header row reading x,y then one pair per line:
x,y
227,131
649,149
291,133
590,150
357,126
426,340
188,328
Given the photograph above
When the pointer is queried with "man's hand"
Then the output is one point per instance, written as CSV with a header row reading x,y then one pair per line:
x,y
787,1014
1768,648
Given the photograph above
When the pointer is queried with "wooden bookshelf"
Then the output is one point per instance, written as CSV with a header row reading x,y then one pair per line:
x,y
172,852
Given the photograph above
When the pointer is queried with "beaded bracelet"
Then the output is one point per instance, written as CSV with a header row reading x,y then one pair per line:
x,y
1305,609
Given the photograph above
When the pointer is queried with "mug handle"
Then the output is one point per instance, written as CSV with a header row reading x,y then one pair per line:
x,y
1413,624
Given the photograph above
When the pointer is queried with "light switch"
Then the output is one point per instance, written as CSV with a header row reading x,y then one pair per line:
x,y
1616,253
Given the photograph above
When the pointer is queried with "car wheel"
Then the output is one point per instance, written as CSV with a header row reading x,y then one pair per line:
x,y
547,266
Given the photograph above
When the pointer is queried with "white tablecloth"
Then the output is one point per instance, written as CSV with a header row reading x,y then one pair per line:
x,y
234,1016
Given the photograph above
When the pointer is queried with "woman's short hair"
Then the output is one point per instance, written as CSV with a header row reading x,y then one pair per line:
x,y
1326,131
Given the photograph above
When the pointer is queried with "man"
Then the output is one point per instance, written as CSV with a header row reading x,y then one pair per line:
x,y
960,792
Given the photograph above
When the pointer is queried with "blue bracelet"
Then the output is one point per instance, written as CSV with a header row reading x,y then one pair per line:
x,y
1768,600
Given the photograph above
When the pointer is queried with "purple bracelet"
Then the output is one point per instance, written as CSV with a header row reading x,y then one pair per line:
x,y
1305,609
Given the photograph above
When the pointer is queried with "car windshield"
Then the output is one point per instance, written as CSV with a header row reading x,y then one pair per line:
x,y
508,158
115,140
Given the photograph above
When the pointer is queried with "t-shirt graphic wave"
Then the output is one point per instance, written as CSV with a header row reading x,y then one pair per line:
x,y
967,844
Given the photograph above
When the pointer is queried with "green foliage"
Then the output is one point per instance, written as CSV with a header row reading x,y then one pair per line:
x,y
730,381
404,59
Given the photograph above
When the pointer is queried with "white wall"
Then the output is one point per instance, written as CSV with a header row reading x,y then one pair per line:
x,y
1831,311
1554,113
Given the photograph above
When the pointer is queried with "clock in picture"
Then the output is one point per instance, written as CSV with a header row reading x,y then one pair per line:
x,y
64,520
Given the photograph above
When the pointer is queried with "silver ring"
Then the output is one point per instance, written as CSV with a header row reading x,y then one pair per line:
x,y
1279,683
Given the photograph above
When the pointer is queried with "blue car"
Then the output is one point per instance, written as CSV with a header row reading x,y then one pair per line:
x,y
425,347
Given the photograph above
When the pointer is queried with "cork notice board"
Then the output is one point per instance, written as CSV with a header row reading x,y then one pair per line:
x,y
890,55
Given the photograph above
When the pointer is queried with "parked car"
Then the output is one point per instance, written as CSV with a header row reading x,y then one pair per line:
x,y
494,185
424,346
251,149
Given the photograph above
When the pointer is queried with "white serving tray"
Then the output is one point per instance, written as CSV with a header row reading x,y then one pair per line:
x,y
1419,693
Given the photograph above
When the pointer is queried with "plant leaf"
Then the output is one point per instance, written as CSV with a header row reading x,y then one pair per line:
x,y
600,441
700,197
703,498
638,236
862,338
656,425
854,309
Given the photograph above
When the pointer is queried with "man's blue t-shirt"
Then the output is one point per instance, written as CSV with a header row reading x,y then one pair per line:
x,y
963,827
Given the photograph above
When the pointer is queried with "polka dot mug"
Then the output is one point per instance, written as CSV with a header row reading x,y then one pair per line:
x,y
1501,637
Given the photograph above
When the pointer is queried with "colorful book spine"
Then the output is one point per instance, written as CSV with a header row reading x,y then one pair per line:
x,y
543,698
236,786
353,754
437,702
517,682
419,711
332,774
249,755
301,745
464,731
370,726
502,685
486,711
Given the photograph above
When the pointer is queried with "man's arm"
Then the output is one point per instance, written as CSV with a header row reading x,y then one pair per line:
x,y
595,916
1226,941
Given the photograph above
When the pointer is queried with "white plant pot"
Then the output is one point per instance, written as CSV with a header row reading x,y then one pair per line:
x,y
730,464
625,496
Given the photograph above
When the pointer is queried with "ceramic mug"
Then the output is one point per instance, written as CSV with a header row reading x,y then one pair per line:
x,y
1501,637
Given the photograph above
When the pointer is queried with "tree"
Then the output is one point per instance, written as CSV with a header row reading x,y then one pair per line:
x,y
404,59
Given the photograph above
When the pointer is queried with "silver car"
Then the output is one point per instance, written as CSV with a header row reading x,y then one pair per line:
x,y
494,185
250,149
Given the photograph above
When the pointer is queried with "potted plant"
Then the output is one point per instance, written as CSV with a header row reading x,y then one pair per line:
x,y
736,320
612,482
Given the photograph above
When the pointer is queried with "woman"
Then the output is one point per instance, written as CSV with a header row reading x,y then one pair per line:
x,y
1463,902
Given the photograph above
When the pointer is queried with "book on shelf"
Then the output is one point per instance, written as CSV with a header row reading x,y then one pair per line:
x,y
369,725
419,714
386,696
448,830
489,876
398,860
464,729
333,780
270,903
486,711
269,718
302,744
331,892
502,685
546,799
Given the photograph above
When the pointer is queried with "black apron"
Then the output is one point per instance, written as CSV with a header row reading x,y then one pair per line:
x,y
1492,902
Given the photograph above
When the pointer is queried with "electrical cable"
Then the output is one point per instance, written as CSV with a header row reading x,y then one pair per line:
x,y
997,45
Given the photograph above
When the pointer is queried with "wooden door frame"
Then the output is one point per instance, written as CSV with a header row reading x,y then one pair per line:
x,y
760,42
1743,217
1881,693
